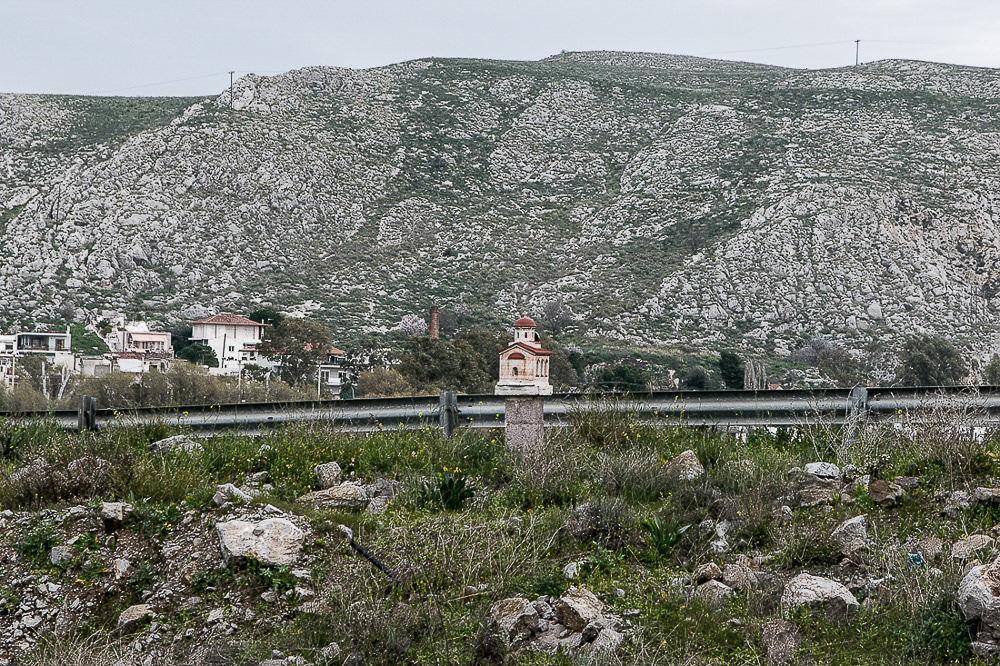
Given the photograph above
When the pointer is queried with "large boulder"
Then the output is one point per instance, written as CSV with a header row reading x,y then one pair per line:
x,y
979,598
965,548
344,496
131,617
824,470
885,493
814,490
577,607
328,475
274,541
816,592
685,467
516,619
714,593
852,535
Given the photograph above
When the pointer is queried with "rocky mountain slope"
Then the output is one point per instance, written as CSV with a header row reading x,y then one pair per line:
x,y
666,199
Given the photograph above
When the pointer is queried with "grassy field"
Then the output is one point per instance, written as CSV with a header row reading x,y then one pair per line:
x,y
601,496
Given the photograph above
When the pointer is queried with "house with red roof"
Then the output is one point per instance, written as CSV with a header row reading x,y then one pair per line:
x,y
524,363
233,338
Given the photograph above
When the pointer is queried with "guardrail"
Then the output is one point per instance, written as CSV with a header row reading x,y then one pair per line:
x,y
744,409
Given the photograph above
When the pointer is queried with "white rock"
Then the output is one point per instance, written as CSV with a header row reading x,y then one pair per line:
x,y
852,535
577,607
327,475
836,600
824,470
685,466
274,541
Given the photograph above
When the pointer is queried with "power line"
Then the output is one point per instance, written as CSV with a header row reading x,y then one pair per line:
x,y
160,83
774,48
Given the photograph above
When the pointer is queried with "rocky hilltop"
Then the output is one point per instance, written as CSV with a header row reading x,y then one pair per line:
x,y
667,199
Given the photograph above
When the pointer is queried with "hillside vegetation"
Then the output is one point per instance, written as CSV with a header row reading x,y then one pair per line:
x,y
666,199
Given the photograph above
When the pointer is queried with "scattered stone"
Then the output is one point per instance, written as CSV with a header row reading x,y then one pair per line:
x,y
121,568
132,616
852,535
955,503
184,443
227,492
885,493
814,490
720,542
965,548
685,467
979,597
780,639
572,570
114,514
987,495
706,572
739,577
60,555
576,607
823,470
816,592
344,496
274,541
907,482
516,618
328,475
714,593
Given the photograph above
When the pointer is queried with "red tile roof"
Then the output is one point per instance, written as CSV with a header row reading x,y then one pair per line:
x,y
524,322
229,319
537,351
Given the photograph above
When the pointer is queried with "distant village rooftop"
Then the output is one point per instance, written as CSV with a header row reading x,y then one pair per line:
x,y
229,319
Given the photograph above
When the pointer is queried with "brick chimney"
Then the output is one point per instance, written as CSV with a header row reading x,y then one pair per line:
x,y
434,328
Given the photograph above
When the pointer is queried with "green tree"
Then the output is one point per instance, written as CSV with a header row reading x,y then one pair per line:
x,y
298,346
930,360
380,382
623,377
266,315
731,367
199,354
695,379
434,364
991,373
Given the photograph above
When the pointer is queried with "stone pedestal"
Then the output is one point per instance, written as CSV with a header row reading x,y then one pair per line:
x,y
524,424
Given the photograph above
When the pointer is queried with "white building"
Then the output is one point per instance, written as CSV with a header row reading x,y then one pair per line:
x,y
233,339
524,364
55,346
137,338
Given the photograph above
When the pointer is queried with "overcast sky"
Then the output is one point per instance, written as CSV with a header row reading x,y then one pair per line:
x,y
187,47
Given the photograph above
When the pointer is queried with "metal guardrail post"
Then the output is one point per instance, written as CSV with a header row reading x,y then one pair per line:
x,y
857,412
87,414
448,413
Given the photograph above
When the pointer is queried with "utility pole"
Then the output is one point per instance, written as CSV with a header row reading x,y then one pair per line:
x,y
857,51
231,88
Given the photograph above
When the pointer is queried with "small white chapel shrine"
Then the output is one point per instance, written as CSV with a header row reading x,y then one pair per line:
x,y
524,363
